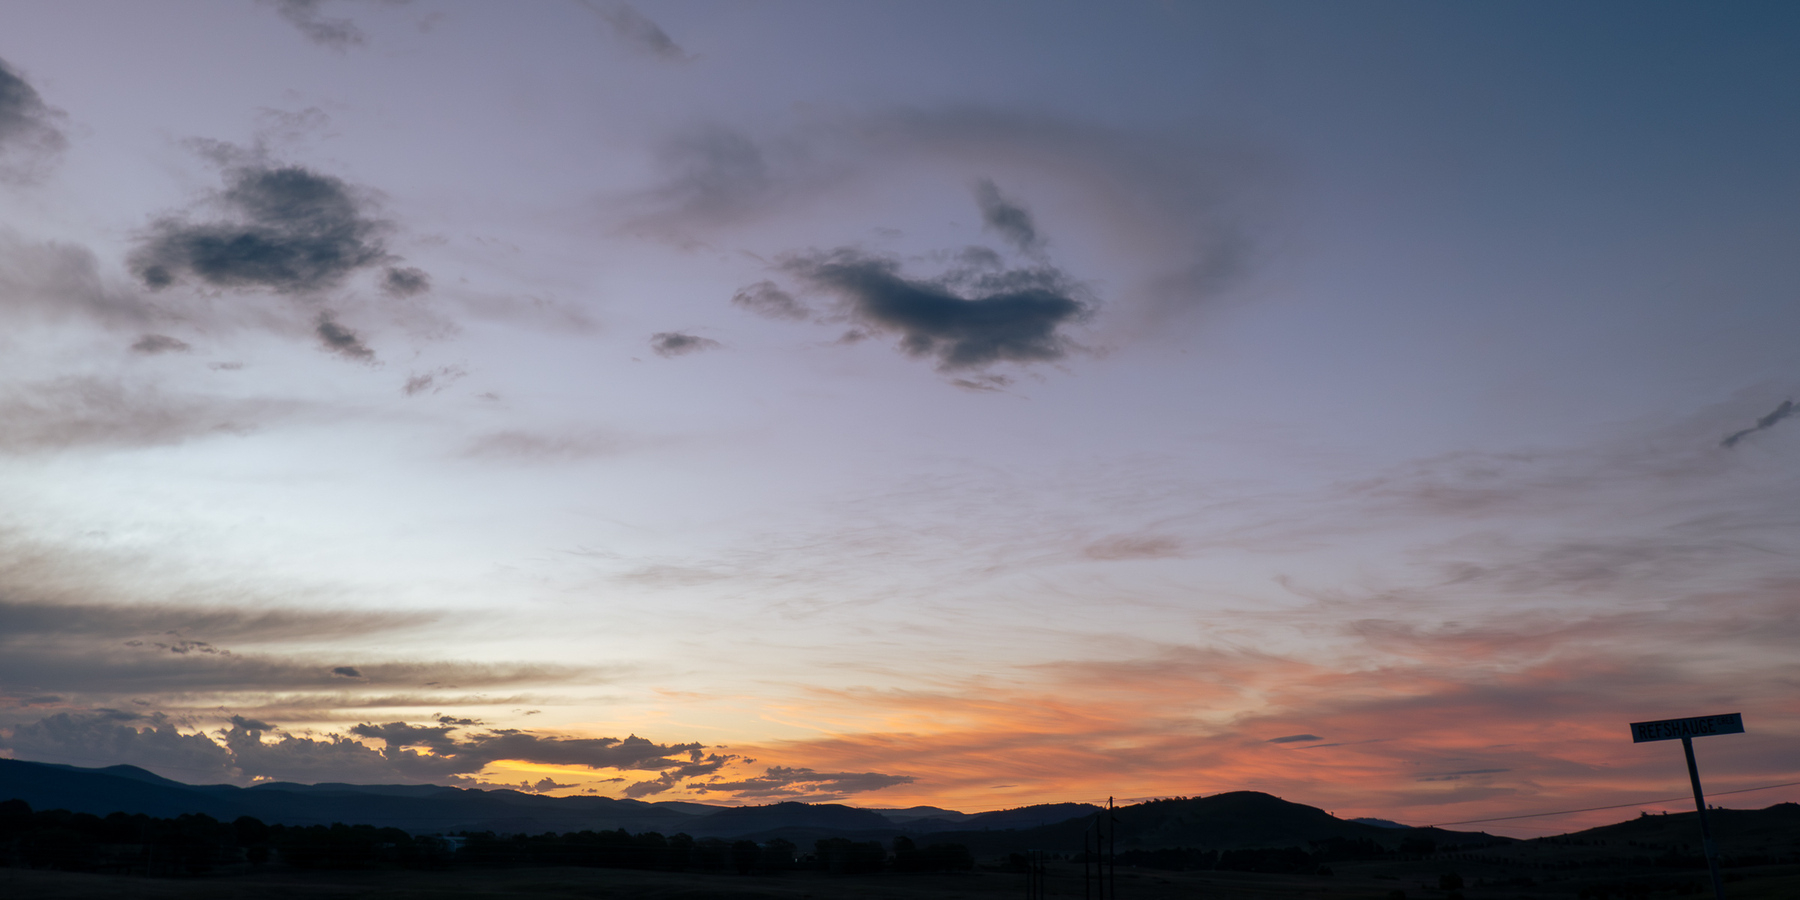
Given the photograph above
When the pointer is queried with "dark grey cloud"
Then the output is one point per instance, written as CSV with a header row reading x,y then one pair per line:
x,y
767,299
450,753
1006,218
1294,739
782,781
100,653
251,749
283,228
29,138
405,282
152,344
1458,776
632,752
1781,412
695,767
964,320
121,629
101,672
111,737
637,30
341,340
397,736
149,668
674,343
38,621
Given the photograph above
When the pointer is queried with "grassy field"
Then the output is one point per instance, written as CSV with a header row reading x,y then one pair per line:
x,y
1644,858
1418,881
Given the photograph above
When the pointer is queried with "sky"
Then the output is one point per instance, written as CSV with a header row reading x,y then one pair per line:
x,y
1379,405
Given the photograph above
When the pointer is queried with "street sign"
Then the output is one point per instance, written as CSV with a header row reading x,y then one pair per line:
x,y
1685,730
1697,726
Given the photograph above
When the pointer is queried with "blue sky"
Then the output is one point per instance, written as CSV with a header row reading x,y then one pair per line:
x,y
976,404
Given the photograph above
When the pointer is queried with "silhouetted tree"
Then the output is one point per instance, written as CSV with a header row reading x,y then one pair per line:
x,y
842,856
743,856
777,856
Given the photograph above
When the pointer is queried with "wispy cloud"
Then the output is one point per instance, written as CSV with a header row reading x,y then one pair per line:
x,y
1006,218
1763,424
432,382
636,30
309,18
341,340
50,280
1177,215
39,621
767,299
1513,737
543,446
405,282
96,412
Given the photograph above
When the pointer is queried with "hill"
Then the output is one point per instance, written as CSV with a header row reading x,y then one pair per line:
x,y
424,809
1234,820
416,808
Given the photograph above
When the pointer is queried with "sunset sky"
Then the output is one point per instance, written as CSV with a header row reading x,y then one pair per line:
x,y
971,404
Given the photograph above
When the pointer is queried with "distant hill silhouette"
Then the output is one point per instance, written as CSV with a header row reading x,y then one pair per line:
x,y
922,813
1736,830
416,808
1235,820
435,808
1021,817
779,817
1241,819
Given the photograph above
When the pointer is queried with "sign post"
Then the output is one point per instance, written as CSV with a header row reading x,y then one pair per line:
x,y
1687,730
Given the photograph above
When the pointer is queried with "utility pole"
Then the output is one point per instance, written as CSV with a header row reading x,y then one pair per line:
x,y
1101,880
1087,883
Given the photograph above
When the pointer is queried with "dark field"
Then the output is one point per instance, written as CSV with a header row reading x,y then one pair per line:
x,y
1483,880
1234,846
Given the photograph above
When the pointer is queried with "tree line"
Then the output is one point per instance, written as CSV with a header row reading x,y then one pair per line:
x,y
1314,860
194,844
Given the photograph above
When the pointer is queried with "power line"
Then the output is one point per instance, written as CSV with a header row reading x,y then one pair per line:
x,y
1564,812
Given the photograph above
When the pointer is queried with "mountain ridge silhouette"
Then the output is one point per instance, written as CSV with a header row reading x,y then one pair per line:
x,y
1226,820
